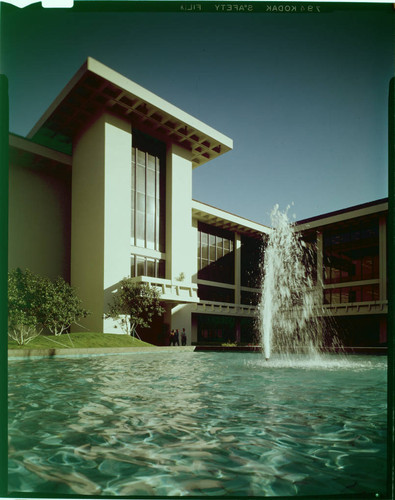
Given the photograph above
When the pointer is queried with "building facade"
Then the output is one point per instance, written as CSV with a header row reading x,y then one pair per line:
x,y
350,248
101,189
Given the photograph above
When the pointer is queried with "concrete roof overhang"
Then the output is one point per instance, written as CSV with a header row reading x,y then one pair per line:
x,y
29,154
342,217
95,89
225,220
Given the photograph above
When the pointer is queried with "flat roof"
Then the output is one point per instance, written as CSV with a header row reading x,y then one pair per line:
x,y
225,220
362,210
96,88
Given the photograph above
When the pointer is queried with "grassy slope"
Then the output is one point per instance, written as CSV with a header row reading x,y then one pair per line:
x,y
80,340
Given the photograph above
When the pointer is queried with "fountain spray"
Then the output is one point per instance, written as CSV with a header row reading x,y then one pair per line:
x,y
289,297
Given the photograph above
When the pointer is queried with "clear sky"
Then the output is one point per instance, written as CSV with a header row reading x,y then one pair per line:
x,y
302,95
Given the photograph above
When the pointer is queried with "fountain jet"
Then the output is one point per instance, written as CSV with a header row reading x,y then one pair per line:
x,y
288,323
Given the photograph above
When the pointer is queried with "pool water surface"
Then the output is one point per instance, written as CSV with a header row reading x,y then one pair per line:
x,y
196,423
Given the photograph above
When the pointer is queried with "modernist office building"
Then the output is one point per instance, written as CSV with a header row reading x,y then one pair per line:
x,y
102,189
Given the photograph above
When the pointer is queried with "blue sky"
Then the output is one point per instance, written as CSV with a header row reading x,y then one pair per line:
x,y
303,96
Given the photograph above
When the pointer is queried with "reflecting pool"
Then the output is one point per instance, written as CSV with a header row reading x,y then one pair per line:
x,y
169,424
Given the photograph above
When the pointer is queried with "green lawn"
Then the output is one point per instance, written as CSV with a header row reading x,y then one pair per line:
x,y
80,340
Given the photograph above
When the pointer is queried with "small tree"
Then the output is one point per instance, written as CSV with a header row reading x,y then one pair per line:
x,y
134,305
61,308
35,302
23,320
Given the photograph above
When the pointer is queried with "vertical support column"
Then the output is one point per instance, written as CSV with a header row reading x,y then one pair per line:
x,y
194,329
320,268
320,285
181,262
180,241
237,250
383,257
101,211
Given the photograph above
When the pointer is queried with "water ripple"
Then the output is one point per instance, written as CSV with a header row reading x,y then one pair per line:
x,y
211,424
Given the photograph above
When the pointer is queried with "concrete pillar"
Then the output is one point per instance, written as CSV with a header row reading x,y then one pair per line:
x,y
167,319
101,212
194,329
383,257
320,285
320,268
180,235
237,251
181,261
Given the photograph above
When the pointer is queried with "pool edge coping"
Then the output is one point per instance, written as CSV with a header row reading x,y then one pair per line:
x,y
91,351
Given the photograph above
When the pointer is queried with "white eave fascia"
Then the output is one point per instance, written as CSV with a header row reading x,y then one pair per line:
x,y
145,95
233,219
36,149
139,92
362,212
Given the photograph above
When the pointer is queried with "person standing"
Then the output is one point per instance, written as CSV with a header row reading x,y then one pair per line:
x,y
172,337
183,337
177,338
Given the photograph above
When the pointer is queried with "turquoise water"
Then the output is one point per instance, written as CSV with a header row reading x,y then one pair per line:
x,y
197,424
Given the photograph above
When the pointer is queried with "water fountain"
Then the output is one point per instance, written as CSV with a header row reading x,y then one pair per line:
x,y
289,298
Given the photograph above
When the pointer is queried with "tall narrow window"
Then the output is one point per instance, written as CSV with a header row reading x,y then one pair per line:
x,y
148,192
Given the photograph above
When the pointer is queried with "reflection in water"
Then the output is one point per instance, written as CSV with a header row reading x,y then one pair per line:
x,y
197,424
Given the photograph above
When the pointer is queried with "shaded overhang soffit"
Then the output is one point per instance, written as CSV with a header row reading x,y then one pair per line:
x,y
219,218
95,89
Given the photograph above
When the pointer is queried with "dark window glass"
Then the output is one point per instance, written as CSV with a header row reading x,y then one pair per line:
x,y
216,294
344,295
161,268
327,296
335,296
140,266
215,259
367,267
250,298
143,266
133,266
367,294
351,252
151,267
252,250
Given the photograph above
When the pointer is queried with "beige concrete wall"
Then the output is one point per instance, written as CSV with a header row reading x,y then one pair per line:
x,y
117,208
180,235
39,220
100,244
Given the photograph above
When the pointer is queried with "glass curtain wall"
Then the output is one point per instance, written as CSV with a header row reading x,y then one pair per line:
x,y
216,262
215,254
351,254
252,252
148,192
